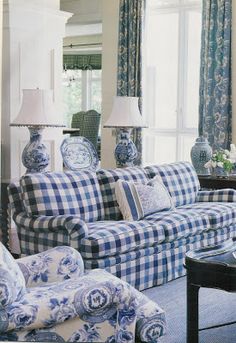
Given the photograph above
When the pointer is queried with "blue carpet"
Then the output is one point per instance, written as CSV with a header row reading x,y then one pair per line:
x,y
215,307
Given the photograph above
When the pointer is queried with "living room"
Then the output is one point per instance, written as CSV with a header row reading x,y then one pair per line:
x,y
130,50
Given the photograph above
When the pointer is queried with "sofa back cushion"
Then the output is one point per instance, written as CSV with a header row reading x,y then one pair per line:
x,y
12,281
15,197
180,179
69,193
107,179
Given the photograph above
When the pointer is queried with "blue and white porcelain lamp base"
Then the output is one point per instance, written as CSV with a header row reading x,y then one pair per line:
x,y
125,151
35,157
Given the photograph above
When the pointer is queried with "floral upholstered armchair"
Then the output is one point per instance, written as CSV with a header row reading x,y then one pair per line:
x,y
48,297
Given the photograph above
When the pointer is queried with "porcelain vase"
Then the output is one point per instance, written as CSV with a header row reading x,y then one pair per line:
x,y
201,153
219,172
125,151
35,157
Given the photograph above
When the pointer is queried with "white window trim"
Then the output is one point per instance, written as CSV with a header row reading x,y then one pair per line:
x,y
181,129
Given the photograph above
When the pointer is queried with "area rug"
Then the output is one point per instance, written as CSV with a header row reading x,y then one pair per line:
x,y
215,307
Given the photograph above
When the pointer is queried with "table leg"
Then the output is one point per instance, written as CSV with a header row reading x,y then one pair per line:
x,y
192,311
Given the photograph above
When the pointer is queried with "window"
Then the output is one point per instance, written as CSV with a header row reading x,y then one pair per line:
x,y
171,79
81,92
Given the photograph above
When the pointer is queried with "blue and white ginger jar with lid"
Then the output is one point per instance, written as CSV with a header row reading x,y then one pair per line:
x,y
201,153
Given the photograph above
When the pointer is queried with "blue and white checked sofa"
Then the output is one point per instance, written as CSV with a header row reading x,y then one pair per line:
x,y
47,297
79,209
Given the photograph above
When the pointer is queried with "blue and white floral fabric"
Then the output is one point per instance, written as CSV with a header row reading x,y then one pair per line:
x,y
58,264
62,303
129,74
12,282
215,101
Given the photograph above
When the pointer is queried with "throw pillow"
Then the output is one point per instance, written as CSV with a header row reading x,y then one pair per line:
x,y
137,200
12,281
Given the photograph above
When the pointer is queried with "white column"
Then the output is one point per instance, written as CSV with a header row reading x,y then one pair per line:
x,y
110,25
32,58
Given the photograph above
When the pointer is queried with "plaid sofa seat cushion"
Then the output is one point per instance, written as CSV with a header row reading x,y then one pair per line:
x,y
220,214
108,238
70,193
179,223
180,179
107,179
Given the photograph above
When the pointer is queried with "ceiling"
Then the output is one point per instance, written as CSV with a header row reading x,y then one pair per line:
x,y
85,11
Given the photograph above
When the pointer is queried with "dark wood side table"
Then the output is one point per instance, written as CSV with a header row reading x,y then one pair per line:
x,y
212,267
213,182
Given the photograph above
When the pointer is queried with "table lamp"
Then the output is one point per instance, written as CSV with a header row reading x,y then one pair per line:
x,y
37,112
125,115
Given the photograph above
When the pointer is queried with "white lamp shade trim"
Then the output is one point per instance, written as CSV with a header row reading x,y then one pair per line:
x,y
125,113
37,109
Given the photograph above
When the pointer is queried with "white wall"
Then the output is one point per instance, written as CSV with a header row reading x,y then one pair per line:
x,y
234,71
32,58
110,24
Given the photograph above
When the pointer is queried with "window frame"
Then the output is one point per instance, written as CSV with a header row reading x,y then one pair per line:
x,y
181,129
86,80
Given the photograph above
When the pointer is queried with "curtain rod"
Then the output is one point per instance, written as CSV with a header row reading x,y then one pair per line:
x,y
73,45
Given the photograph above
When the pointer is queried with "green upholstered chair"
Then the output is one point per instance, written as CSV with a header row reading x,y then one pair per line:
x,y
88,123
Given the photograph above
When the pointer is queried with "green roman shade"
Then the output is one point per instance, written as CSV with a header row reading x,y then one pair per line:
x,y
84,62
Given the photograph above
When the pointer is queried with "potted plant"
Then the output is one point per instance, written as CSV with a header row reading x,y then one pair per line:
x,y
220,163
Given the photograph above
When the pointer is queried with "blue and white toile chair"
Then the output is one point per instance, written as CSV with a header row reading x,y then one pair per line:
x,y
48,298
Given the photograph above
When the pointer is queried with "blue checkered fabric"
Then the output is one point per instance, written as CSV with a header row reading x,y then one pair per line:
x,y
15,197
180,179
110,261
107,179
45,232
175,251
67,193
220,214
179,223
221,195
143,272
159,264
111,238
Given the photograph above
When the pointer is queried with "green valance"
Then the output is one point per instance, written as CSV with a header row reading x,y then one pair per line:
x,y
84,62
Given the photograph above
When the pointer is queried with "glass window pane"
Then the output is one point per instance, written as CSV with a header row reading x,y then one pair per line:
x,y
162,69
193,70
96,73
159,149
72,94
96,95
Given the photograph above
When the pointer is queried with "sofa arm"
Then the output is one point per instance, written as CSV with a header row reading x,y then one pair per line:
x,y
87,298
219,195
54,265
151,321
73,225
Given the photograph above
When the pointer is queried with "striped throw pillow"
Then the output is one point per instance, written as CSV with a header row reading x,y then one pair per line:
x,y
137,200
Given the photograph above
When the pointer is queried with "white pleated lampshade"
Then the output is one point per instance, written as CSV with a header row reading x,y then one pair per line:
x,y
125,113
37,109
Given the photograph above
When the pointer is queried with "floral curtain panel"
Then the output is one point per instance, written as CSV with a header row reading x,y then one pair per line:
x,y
129,79
215,108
